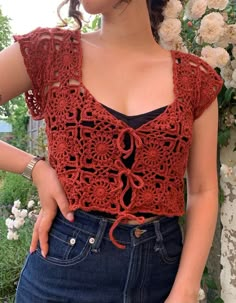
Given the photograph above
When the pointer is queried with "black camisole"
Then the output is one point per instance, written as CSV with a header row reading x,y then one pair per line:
x,y
134,122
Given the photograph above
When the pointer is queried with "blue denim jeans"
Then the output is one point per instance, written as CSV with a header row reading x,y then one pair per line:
x,y
84,266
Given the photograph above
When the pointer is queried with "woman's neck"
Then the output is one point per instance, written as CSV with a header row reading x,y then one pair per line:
x,y
128,26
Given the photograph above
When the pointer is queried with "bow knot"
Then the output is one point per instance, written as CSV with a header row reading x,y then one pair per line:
x,y
135,140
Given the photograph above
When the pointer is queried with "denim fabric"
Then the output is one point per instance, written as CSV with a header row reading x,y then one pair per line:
x,y
84,266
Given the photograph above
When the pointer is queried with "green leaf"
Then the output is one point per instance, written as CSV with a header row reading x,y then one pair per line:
x,y
218,300
211,284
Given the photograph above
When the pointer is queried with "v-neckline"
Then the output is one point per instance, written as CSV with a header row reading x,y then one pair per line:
x,y
102,106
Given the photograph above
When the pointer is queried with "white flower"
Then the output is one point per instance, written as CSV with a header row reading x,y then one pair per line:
x,y
17,203
170,29
216,57
222,57
231,33
195,9
217,4
201,295
9,223
19,222
30,204
30,214
172,9
234,75
208,55
23,213
226,73
232,84
15,211
234,51
223,40
233,64
12,235
176,44
212,27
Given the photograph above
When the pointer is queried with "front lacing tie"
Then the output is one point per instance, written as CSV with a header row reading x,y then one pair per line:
x,y
133,180
123,217
134,139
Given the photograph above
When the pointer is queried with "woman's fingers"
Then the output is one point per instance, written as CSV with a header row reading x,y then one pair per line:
x,y
64,206
35,235
43,230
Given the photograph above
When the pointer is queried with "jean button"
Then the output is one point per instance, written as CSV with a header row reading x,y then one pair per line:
x,y
138,232
91,240
72,241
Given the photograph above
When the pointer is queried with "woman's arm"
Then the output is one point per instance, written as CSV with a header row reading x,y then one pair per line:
x,y
13,81
202,207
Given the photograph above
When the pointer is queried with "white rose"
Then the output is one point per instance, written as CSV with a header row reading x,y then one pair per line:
x,y
176,44
212,27
170,29
195,9
19,222
30,204
223,40
12,235
210,60
222,57
9,223
17,203
172,9
231,33
234,51
217,4
15,211
233,64
209,55
226,73
23,213
234,75
201,295
232,84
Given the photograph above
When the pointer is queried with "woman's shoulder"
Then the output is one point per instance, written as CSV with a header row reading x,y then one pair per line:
x,y
192,61
41,33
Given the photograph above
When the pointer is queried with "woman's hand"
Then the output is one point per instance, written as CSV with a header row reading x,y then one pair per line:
x,y
182,298
52,196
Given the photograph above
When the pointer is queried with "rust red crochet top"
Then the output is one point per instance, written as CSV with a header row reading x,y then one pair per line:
x,y
86,142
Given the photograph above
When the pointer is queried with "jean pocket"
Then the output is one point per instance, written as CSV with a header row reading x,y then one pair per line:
x,y
172,247
67,246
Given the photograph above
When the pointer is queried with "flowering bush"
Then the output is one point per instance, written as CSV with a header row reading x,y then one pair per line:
x,y
19,216
207,29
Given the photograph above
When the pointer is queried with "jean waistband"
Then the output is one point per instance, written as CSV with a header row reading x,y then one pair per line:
x,y
125,234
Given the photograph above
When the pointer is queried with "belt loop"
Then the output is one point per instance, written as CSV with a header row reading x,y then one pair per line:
x,y
99,236
159,239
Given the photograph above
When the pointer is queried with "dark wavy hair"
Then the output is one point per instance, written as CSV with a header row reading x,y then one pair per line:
x,y
155,8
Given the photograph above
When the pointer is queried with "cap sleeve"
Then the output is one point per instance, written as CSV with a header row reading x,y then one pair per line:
x,y
209,86
35,49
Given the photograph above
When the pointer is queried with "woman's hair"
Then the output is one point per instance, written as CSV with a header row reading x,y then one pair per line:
x,y
155,8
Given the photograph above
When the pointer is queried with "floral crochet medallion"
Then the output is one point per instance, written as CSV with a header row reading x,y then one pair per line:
x,y
87,143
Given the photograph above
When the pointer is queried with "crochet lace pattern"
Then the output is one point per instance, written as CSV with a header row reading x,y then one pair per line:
x,y
86,142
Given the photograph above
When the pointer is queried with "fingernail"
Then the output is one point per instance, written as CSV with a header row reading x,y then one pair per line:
x,y
43,254
70,217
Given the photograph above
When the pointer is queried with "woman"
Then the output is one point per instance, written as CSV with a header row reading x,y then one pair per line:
x,y
118,152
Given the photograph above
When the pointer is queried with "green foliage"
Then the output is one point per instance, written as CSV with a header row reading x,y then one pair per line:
x,y
5,31
92,25
15,187
17,116
208,283
12,255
